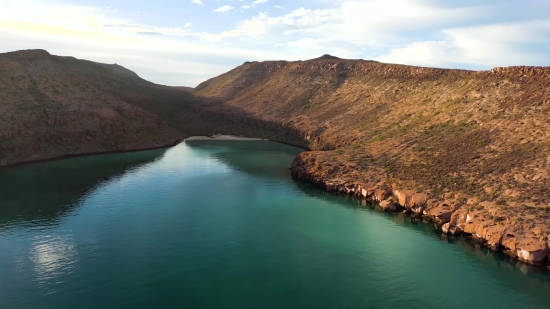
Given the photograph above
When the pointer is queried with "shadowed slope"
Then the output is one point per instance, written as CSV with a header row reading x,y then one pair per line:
x,y
52,106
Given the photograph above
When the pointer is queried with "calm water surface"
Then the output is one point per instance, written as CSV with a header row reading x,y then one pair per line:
x,y
222,225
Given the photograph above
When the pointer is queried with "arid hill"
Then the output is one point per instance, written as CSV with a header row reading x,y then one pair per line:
x,y
52,106
473,145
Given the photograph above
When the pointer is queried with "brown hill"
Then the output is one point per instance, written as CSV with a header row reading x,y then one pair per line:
x,y
52,106
478,139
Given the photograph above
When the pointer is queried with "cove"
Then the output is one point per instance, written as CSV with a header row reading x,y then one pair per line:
x,y
221,224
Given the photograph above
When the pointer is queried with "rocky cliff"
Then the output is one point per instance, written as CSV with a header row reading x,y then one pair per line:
x,y
468,148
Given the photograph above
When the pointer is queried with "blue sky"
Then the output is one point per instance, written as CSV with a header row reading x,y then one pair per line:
x,y
184,42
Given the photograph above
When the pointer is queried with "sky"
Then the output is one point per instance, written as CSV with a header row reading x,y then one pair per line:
x,y
185,42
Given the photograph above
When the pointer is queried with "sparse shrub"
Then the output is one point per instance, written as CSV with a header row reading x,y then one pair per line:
x,y
522,185
481,143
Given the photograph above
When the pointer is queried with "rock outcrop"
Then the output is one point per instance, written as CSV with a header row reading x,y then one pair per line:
x,y
455,216
451,229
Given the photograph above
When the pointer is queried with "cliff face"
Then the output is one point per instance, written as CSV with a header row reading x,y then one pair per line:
x,y
478,139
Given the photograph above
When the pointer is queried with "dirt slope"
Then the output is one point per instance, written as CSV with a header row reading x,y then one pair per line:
x,y
479,140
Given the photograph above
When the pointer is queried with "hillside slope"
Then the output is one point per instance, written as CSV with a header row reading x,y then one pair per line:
x,y
52,106
469,142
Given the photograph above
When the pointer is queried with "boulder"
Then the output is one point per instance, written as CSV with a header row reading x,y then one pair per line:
x,y
418,200
380,195
459,217
404,197
509,240
451,229
493,234
417,210
455,230
532,250
388,205
441,212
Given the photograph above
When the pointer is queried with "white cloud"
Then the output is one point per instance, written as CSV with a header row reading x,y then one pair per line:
x,y
449,33
479,46
279,7
224,9
248,6
199,2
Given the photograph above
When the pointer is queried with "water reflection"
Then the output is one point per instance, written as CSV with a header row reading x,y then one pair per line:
x,y
470,247
40,194
254,157
53,256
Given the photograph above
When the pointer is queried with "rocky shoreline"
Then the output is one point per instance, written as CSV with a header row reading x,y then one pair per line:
x,y
455,216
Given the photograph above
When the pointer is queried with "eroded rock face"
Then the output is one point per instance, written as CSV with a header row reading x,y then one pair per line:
x,y
418,200
381,195
493,234
459,217
451,229
388,205
441,212
532,250
404,197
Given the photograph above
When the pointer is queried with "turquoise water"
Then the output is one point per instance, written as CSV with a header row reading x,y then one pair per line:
x,y
222,225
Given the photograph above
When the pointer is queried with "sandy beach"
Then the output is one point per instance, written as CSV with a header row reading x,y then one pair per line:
x,y
224,138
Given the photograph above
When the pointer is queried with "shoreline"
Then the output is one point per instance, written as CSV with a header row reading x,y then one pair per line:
x,y
222,137
87,154
453,222
454,217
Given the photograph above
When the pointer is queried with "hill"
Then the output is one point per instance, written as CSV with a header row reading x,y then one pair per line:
x,y
52,106
472,145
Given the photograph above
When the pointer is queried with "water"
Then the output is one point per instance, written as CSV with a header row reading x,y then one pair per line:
x,y
222,225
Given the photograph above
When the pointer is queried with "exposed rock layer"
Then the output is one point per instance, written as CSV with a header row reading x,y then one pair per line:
x,y
455,216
